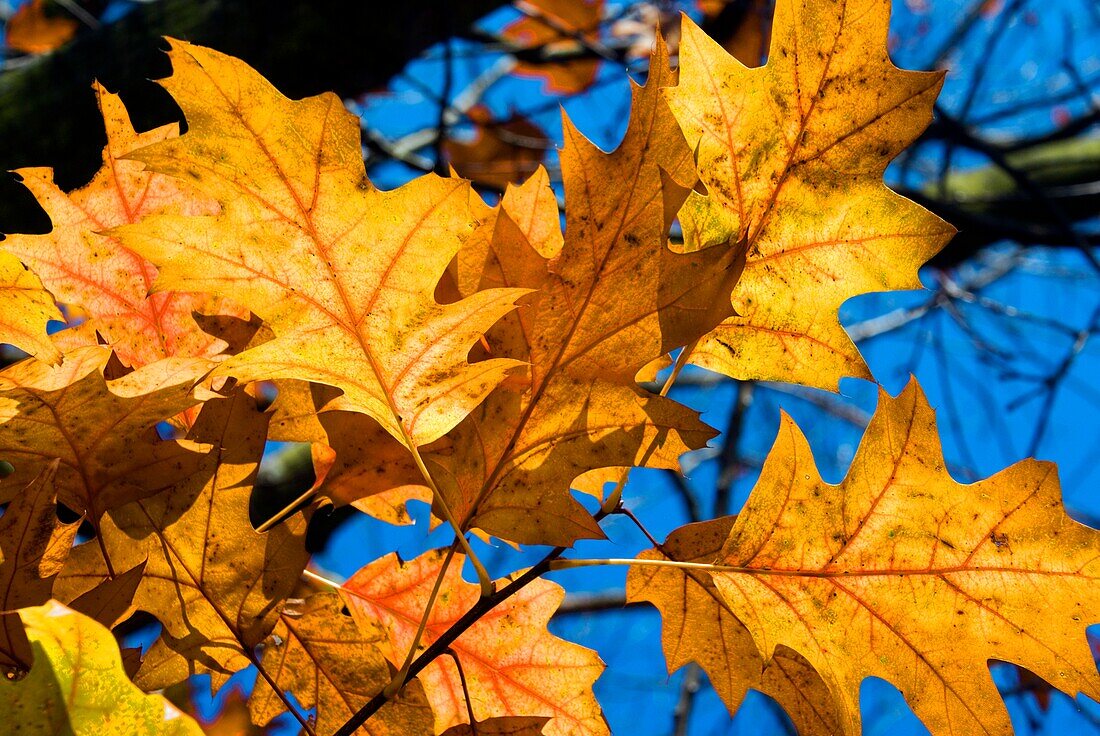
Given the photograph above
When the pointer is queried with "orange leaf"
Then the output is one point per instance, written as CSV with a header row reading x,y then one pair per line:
x,y
699,627
26,308
102,430
34,30
792,156
92,271
512,664
344,274
318,653
611,298
112,600
556,27
901,573
213,582
33,547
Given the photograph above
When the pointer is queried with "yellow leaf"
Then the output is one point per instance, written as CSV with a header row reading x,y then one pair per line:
x,y
355,461
611,298
25,310
213,582
512,664
318,653
699,627
92,271
901,573
343,273
792,156
102,430
78,687
33,547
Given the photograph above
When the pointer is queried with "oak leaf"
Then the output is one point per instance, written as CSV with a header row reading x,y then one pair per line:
x,y
85,268
901,573
501,152
698,626
26,308
512,664
112,600
77,685
37,28
330,663
355,461
792,156
213,582
33,547
505,726
611,298
343,273
102,430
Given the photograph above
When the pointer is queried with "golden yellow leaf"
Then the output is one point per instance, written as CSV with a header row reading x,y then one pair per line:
x,y
103,431
111,601
343,273
698,626
319,653
901,573
25,310
33,547
213,582
612,297
84,268
792,156
512,664
355,461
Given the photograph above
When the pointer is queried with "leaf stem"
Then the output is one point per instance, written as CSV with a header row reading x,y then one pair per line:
x,y
465,691
286,511
483,578
399,679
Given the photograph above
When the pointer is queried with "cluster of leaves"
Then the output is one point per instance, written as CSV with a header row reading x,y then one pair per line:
x,y
430,347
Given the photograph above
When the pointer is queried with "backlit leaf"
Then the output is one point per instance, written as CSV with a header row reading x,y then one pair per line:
x,y
698,626
25,310
77,685
343,273
33,547
102,430
85,268
612,298
901,573
792,156
213,582
319,653
512,664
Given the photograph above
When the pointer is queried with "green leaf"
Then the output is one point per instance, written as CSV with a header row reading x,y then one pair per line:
x,y
77,686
